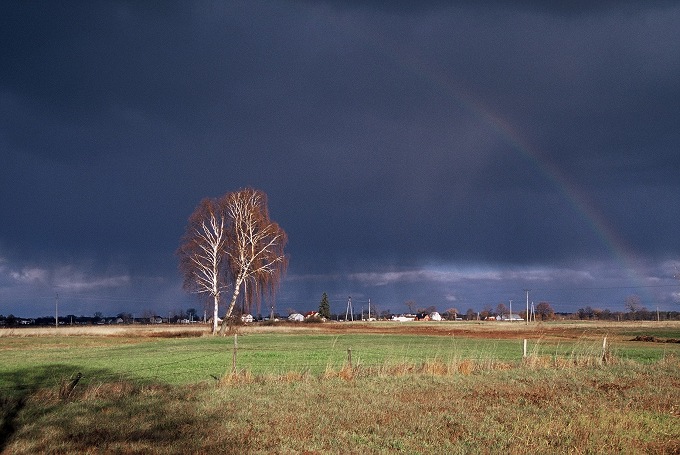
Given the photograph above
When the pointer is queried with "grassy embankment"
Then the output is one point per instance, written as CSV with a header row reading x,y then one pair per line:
x,y
407,391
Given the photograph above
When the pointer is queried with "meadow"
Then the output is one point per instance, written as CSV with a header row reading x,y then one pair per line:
x,y
342,388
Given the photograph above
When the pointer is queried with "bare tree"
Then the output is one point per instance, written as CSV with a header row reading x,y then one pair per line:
x,y
231,241
452,313
486,312
501,309
254,248
545,311
202,252
635,307
427,309
633,303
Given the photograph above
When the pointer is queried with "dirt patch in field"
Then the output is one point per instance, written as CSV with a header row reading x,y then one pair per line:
x,y
553,330
652,339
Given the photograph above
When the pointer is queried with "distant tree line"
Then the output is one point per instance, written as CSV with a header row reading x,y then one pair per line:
x,y
543,311
636,311
643,314
144,317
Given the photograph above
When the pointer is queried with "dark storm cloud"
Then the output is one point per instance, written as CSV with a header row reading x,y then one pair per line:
x,y
430,150
545,6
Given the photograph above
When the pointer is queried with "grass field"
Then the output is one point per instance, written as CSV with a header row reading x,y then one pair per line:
x,y
411,387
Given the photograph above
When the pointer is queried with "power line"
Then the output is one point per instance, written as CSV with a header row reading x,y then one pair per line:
x,y
608,287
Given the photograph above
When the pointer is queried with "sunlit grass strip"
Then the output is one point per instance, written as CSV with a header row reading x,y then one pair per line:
x,y
320,352
434,367
45,361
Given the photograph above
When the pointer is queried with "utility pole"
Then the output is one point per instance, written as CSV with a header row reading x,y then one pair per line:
x,y
56,311
349,310
527,316
369,309
510,310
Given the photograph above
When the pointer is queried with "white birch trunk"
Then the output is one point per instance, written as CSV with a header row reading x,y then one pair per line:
x,y
217,299
237,290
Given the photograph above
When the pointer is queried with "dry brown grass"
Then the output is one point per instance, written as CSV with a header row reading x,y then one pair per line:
x,y
123,331
568,404
472,329
466,367
553,330
238,377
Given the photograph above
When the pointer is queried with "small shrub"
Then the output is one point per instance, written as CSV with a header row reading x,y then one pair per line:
x,y
238,377
294,376
346,373
435,368
68,385
466,367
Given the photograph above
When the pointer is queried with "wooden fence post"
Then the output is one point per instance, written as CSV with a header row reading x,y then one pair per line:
x,y
66,390
603,359
349,357
524,350
233,359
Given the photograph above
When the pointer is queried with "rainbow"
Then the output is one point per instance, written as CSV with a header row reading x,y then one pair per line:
x,y
578,199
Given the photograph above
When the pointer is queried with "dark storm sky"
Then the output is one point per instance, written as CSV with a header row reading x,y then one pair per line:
x,y
451,153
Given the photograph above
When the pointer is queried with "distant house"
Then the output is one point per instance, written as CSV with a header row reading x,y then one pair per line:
x,y
404,318
296,317
247,317
510,317
435,316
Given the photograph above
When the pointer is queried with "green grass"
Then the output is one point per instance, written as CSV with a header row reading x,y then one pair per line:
x,y
264,353
583,410
623,350
294,393
46,360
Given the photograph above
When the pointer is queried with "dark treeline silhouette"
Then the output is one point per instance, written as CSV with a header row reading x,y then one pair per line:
x,y
587,313
641,314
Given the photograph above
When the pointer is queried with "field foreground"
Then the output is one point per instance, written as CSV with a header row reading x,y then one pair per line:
x,y
407,390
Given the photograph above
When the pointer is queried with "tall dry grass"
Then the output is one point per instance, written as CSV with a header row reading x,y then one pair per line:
x,y
462,406
108,331
572,403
